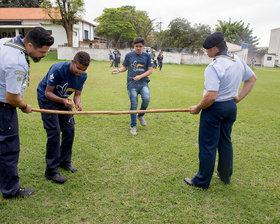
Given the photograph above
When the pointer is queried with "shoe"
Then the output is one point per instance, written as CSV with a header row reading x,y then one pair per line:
x,y
133,130
69,168
189,181
142,120
57,178
21,193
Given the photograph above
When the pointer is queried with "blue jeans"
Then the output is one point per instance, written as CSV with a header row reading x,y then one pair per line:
x,y
133,90
215,133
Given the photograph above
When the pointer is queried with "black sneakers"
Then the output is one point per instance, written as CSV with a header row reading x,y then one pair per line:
x,y
57,178
22,192
69,168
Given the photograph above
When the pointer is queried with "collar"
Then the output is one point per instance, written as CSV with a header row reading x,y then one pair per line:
x,y
225,54
17,42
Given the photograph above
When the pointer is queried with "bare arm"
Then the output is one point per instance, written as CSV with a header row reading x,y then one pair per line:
x,y
207,100
51,96
247,87
77,100
117,71
16,101
145,74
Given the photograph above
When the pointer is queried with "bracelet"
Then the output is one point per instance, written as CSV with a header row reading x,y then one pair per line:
x,y
119,70
23,108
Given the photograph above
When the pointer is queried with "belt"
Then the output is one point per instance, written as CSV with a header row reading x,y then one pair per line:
x,y
6,105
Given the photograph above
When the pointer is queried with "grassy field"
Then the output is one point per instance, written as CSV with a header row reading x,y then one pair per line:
x,y
139,179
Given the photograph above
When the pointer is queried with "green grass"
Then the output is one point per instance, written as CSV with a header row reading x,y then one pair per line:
x,y
139,179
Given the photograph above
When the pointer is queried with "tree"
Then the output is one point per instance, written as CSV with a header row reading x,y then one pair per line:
x,y
124,24
113,25
237,32
20,3
64,12
180,34
140,21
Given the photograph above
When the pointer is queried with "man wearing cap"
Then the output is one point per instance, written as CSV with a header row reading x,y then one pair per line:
x,y
218,110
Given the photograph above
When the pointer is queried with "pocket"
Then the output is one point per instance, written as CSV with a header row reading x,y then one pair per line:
x,y
8,122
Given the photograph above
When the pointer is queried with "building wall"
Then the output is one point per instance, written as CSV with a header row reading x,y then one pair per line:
x,y
58,32
269,60
59,35
195,59
67,53
274,42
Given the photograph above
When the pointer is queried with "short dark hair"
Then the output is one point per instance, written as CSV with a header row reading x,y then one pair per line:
x,y
138,40
39,37
222,46
82,57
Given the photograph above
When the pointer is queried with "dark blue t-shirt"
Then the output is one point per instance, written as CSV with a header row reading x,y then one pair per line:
x,y
137,64
60,77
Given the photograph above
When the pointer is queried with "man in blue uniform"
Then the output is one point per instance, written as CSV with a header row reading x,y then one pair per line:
x,y
139,65
62,79
14,76
218,110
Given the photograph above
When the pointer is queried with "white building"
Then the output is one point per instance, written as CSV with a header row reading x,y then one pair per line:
x,y
14,21
272,59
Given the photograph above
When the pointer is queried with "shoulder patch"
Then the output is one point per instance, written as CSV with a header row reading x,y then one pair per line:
x,y
51,78
17,72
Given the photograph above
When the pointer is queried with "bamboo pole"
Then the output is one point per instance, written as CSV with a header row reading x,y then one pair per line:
x,y
110,112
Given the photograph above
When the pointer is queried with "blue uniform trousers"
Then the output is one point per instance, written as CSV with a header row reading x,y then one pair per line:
x,y
58,152
215,132
9,151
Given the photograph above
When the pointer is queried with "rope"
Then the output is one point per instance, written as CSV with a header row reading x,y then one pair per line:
x,y
110,112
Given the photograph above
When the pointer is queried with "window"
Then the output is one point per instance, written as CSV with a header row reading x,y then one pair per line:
x,y
269,58
10,22
86,34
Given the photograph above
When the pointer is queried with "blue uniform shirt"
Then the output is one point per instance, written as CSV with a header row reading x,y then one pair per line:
x,y
225,75
14,69
137,64
60,77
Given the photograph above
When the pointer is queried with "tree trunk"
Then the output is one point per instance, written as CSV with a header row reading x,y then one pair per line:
x,y
69,33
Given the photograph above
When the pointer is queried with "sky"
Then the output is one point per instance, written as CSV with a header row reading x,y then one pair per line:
x,y
261,15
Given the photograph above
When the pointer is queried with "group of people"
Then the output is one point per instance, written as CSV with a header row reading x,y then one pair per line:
x,y
218,105
157,61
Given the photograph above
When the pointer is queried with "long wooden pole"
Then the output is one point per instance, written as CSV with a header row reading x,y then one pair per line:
x,y
110,112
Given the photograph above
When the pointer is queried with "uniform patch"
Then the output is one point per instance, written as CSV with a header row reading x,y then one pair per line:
x,y
19,79
17,72
51,78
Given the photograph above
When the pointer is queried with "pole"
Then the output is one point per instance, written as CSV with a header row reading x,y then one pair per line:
x,y
110,112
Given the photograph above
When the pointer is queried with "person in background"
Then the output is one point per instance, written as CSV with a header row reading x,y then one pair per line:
x,y
14,77
111,58
117,57
160,59
53,92
139,65
153,55
218,110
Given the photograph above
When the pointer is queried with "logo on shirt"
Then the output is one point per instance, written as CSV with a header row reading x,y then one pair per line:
x,y
51,78
62,89
137,67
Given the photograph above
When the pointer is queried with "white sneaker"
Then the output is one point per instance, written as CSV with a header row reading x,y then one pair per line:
x,y
133,130
142,120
